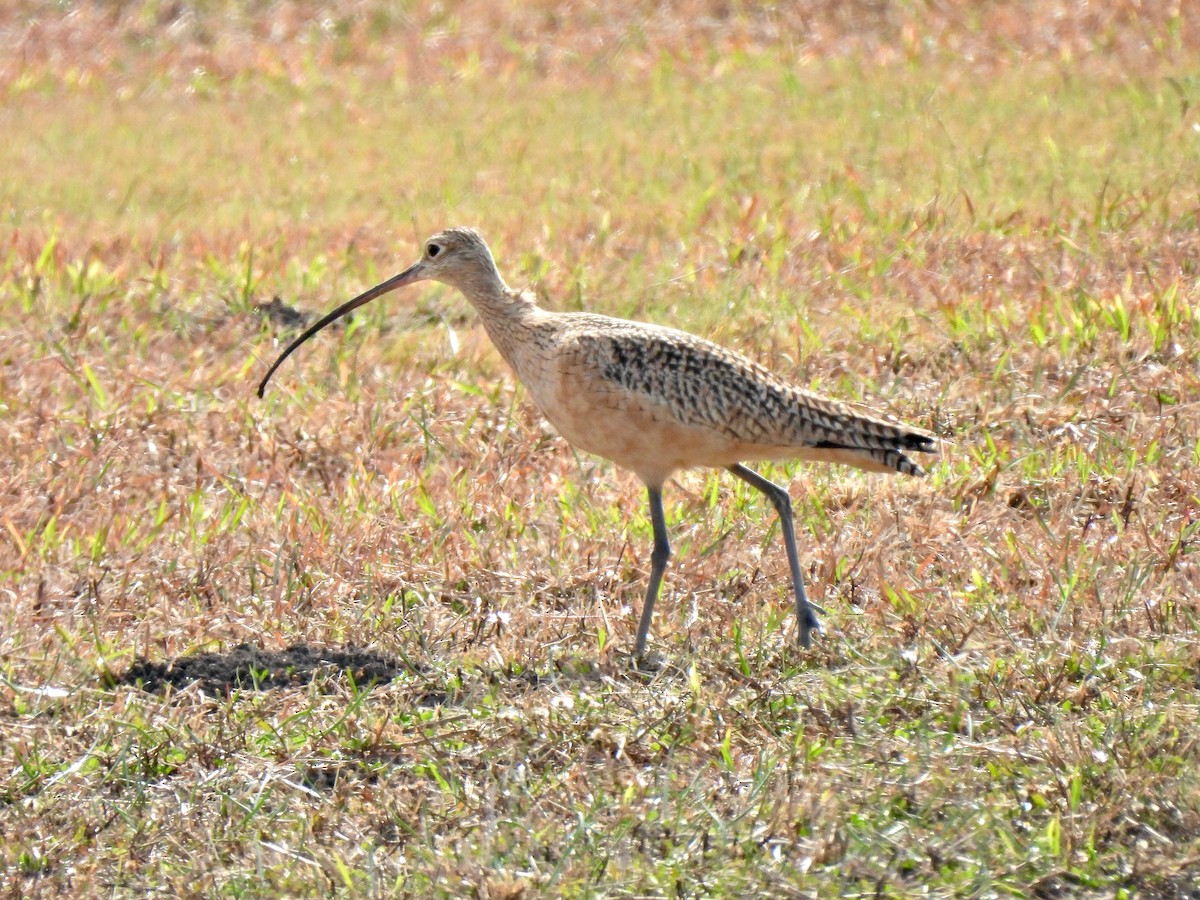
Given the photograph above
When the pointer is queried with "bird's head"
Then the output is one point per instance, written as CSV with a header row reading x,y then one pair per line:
x,y
456,256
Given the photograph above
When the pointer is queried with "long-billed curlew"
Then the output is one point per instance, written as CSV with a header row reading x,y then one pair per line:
x,y
652,399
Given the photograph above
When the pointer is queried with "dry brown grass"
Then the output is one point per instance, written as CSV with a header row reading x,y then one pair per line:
x,y
573,41
1004,700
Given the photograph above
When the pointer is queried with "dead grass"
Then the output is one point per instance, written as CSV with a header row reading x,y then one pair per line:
x,y
393,608
303,42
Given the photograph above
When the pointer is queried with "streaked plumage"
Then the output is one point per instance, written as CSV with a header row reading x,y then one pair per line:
x,y
653,399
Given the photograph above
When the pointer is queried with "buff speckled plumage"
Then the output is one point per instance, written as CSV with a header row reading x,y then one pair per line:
x,y
654,399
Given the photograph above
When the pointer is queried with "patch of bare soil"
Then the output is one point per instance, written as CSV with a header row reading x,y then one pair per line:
x,y
246,667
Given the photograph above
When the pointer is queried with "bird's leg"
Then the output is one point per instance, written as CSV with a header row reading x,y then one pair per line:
x,y
658,565
779,498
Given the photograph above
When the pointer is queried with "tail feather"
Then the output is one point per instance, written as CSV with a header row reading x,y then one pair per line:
x,y
874,457
894,459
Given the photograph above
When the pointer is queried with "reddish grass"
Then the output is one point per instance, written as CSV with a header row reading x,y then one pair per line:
x,y
1004,701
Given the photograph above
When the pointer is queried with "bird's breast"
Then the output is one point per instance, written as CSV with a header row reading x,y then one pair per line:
x,y
633,430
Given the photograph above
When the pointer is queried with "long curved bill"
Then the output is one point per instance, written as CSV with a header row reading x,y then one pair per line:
x,y
408,276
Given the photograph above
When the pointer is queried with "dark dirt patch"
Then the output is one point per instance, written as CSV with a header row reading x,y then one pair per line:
x,y
333,775
281,315
250,668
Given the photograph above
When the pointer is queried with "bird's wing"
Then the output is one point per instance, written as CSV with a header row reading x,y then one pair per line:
x,y
699,383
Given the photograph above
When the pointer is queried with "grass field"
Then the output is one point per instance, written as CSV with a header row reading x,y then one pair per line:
x,y
371,635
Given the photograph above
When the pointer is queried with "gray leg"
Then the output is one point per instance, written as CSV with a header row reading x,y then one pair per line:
x,y
658,565
779,498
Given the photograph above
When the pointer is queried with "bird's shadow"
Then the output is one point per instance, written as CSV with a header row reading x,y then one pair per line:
x,y
246,667
250,668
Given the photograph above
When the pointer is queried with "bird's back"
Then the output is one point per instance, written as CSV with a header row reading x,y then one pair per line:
x,y
627,391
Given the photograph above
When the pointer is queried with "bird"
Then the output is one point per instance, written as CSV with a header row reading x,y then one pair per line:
x,y
653,399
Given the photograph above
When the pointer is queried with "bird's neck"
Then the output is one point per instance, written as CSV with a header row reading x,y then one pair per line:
x,y
509,317
491,296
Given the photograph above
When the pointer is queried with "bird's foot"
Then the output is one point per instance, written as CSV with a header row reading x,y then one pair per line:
x,y
649,662
808,624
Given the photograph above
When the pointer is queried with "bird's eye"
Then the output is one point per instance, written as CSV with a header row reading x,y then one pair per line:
x,y
433,250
